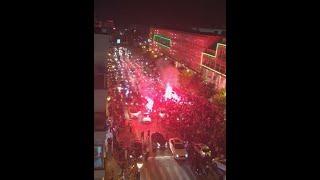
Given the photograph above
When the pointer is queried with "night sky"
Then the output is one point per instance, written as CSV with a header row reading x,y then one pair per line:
x,y
162,12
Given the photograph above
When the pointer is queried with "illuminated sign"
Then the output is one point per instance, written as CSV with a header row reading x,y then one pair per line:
x,y
208,61
118,41
161,40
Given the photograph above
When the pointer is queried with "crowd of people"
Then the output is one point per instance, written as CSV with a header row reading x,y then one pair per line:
x,y
196,120
194,117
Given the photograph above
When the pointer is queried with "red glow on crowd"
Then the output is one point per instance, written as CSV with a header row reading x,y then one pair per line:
x,y
170,94
150,103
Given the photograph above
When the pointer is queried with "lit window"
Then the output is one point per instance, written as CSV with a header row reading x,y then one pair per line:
x,y
98,157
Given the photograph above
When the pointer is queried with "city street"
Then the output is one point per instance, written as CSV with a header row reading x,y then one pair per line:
x,y
160,93
137,87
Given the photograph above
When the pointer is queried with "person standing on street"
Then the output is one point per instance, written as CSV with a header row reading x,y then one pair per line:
x,y
148,135
142,135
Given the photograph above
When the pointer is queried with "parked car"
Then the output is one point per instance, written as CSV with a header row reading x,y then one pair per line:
x,y
135,151
202,149
158,141
177,148
146,118
219,165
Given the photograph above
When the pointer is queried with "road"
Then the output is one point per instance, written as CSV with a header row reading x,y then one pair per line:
x,y
131,76
162,166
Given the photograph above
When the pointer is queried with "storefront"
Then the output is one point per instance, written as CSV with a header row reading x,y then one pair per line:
x,y
99,170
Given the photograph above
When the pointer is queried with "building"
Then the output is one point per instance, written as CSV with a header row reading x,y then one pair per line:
x,y
215,30
99,127
104,27
101,44
203,53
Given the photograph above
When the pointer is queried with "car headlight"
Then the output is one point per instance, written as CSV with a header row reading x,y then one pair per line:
x,y
177,155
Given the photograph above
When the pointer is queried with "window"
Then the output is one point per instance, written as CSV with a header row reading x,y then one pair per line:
x,y
179,146
98,157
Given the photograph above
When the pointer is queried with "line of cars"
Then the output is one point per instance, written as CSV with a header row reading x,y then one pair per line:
x,y
200,155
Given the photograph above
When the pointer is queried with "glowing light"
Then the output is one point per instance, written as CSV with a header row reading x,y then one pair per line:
x,y
139,165
150,103
170,94
162,45
156,36
161,115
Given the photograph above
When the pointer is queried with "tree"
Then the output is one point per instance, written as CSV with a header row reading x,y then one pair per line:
x,y
185,78
220,98
207,90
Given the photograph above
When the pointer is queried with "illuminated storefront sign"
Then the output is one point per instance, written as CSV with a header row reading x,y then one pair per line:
x,y
161,40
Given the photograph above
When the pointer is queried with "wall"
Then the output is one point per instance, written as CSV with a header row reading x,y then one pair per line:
x,y
98,174
101,44
99,137
100,100
185,47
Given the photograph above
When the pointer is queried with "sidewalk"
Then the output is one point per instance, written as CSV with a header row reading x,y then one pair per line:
x,y
111,165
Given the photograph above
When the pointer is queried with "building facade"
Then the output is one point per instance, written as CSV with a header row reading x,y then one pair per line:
x,y
202,53
101,43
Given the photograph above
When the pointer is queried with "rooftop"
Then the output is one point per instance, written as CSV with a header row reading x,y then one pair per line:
x,y
187,30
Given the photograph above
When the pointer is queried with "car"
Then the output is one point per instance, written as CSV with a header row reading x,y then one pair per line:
x,y
162,114
219,165
146,118
177,148
158,141
135,115
202,149
136,150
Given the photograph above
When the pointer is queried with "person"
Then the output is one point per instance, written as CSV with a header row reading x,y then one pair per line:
x,y
142,135
130,126
109,144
